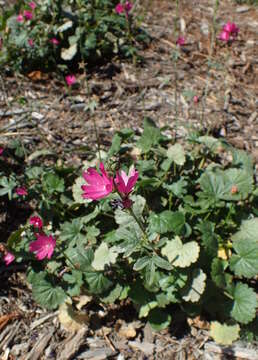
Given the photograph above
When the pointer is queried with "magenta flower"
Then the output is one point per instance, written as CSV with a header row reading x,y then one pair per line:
x,y
70,80
119,8
1,150
55,41
229,32
99,186
36,222
32,5
21,191
43,247
124,183
180,41
31,42
195,99
27,14
20,18
8,258
128,6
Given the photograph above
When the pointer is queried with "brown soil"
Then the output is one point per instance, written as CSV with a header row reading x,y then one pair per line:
x,y
125,94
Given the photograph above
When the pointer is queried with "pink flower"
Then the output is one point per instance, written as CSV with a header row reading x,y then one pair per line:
x,y
70,80
43,247
54,41
231,28
1,150
98,186
126,183
195,99
21,191
8,258
180,41
32,5
36,222
27,14
19,18
30,42
119,8
128,6
229,32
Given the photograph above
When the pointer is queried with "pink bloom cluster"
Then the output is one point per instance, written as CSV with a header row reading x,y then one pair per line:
x,y
8,258
27,14
21,191
54,41
43,247
229,32
124,8
1,150
70,80
180,41
101,185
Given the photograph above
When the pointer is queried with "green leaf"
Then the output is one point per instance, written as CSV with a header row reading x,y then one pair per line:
x,y
53,183
244,306
193,291
217,185
7,186
71,232
104,256
167,221
125,219
74,281
150,137
178,188
162,263
245,262
77,191
81,258
243,159
146,308
212,143
113,295
38,153
14,238
218,274
46,291
115,146
248,231
179,254
132,239
224,334
159,319
34,172
141,263
176,153
209,238
98,283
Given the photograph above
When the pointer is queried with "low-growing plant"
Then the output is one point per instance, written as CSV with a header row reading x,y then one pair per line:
x,y
166,226
64,34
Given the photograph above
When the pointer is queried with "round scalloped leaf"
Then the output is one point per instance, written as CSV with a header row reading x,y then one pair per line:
x,y
245,262
224,334
195,289
179,254
77,191
177,154
104,256
248,231
159,319
244,307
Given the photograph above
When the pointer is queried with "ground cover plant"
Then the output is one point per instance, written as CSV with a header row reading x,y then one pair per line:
x,y
63,35
165,226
